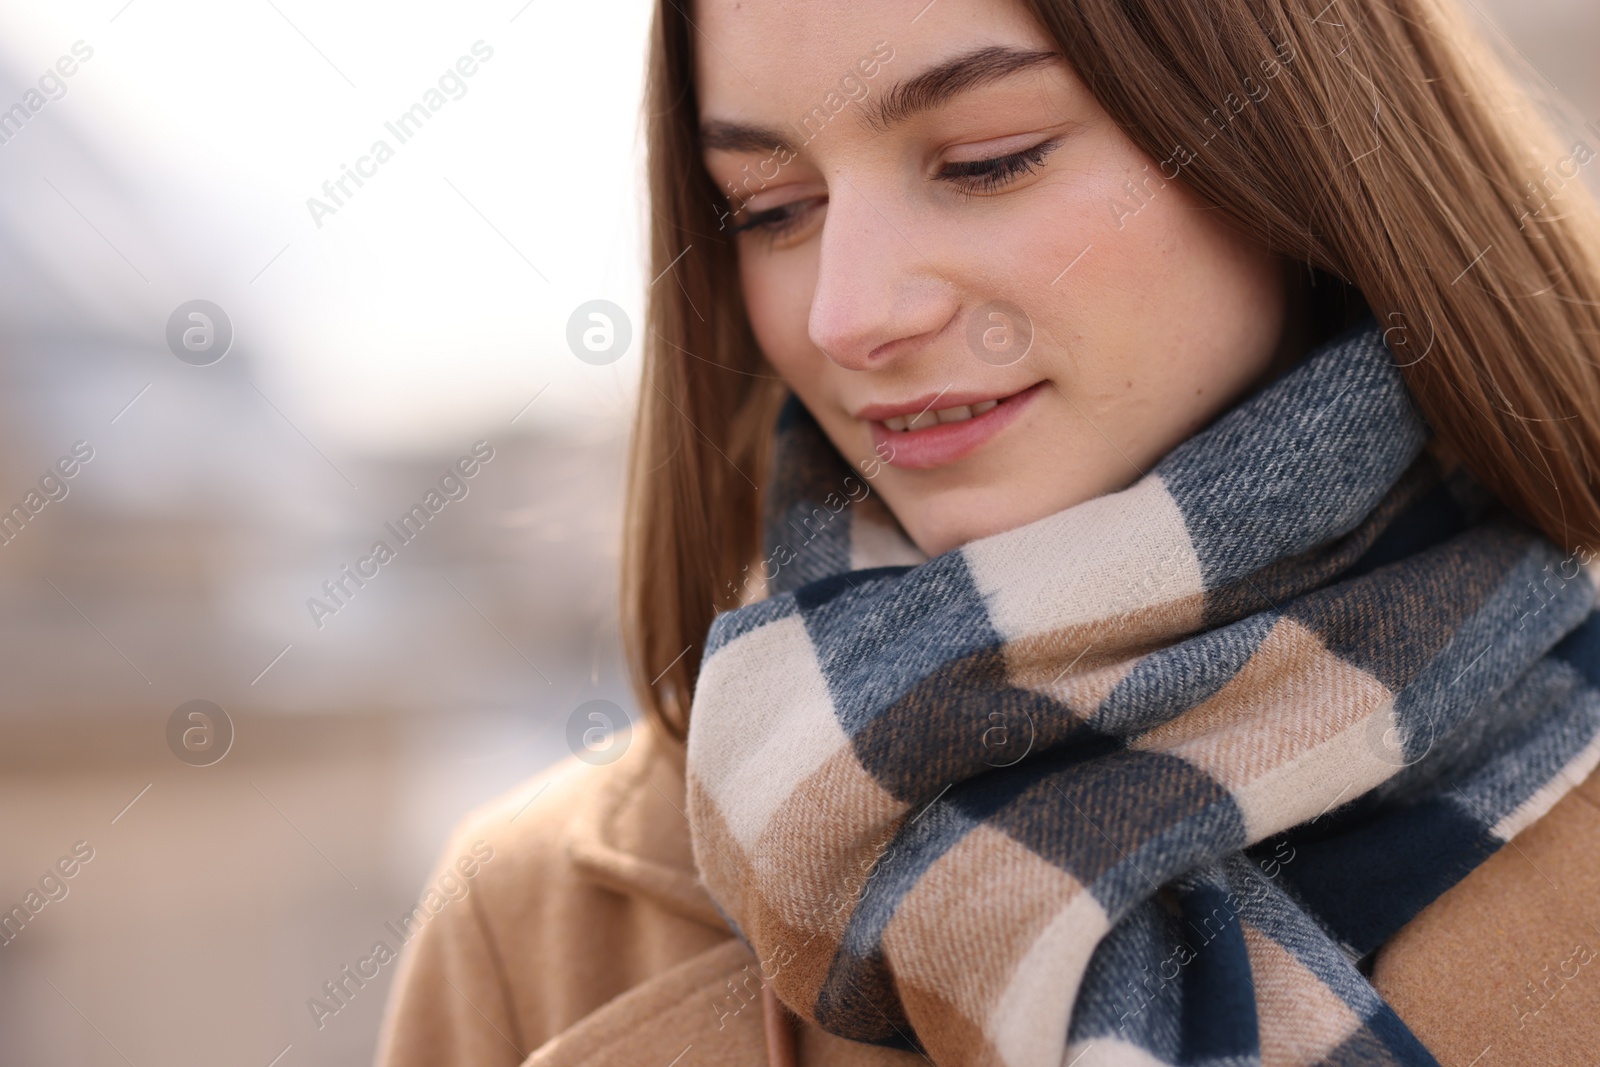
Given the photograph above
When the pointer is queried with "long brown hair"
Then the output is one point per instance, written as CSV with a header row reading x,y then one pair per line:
x,y
1393,153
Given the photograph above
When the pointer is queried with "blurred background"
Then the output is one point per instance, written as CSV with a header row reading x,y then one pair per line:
x,y
376,339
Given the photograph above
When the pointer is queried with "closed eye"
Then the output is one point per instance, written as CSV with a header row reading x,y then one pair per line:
x,y
987,175
776,221
975,176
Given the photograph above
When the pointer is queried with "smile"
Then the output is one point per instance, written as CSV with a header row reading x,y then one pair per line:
x,y
920,436
922,421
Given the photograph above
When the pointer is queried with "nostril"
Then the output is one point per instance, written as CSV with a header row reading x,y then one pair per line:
x,y
851,354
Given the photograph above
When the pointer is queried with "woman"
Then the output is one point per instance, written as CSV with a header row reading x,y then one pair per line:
x,y
1159,598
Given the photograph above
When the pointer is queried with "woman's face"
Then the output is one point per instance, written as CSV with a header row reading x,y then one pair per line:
x,y
918,189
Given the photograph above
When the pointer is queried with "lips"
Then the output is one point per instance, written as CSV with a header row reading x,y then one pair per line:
x,y
924,419
919,436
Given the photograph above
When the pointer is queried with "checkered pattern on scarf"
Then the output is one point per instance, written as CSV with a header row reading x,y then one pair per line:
x,y
1145,781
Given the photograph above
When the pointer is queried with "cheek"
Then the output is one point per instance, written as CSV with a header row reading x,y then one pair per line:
x,y
777,296
1197,312
777,293
1220,260
1227,299
1214,265
1173,279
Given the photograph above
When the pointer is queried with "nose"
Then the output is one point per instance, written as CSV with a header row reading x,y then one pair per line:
x,y
873,286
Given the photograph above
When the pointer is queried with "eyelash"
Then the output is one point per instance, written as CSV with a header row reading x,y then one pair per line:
x,y
774,222
975,176
987,175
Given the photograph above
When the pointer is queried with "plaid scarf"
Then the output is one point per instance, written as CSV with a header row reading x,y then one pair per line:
x,y
1147,781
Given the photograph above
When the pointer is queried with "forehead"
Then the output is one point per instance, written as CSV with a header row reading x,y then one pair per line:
x,y
768,58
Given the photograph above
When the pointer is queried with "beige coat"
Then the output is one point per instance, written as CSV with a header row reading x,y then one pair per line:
x,y
587,939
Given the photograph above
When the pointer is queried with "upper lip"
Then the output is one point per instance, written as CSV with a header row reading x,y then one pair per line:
x,y
939,401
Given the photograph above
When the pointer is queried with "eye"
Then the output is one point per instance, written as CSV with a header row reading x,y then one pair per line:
x,y
987,175
775,222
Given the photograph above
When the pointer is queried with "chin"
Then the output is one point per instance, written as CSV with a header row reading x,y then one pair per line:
x,y
940,521
937,529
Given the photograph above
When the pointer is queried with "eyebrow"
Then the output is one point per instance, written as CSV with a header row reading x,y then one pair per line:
x,y
922,92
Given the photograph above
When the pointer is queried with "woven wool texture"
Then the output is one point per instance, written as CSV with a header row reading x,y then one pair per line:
x,y
1147,780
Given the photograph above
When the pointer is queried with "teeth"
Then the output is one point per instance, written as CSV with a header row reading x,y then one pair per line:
x,y
902,423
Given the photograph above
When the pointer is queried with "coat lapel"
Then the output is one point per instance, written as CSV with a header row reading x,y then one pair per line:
x,y
677,1019
633,837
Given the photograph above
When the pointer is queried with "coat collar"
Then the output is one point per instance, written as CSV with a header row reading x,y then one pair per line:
x,y
632,835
